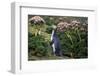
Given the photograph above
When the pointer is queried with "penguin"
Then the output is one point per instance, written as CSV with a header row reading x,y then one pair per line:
x,y
55,42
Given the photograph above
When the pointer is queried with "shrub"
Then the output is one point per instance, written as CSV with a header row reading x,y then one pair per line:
x,y
74,42
38,46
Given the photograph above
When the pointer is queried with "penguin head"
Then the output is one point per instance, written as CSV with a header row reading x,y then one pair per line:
x,y
54,27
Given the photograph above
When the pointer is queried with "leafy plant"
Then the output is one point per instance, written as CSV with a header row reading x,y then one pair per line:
x,y
38,46
74,42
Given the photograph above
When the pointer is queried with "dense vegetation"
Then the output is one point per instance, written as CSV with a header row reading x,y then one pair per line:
x,y
73,38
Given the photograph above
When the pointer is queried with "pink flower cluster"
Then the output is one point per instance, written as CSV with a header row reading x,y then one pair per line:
x,y
36,20
62,26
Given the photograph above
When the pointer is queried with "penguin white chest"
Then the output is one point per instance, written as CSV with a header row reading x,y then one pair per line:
x,y
53,46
